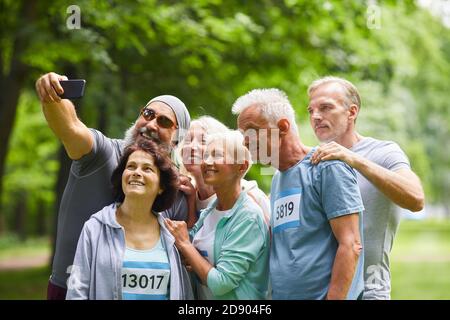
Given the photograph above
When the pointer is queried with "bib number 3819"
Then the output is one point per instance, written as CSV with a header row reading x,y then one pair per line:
x,y
287,211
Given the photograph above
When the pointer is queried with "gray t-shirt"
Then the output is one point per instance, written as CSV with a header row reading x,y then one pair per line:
x,y
381,217
87,191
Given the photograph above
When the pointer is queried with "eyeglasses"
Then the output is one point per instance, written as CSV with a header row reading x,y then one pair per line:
x,y
162,121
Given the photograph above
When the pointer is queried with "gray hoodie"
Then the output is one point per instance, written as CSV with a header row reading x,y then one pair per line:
x,y
96,270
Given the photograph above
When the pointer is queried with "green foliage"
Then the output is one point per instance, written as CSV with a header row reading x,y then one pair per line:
x,y
209,52
31,163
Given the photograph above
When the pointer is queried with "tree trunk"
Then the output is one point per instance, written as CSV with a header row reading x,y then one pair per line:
x,y
20,216
11,85
41,219
103,119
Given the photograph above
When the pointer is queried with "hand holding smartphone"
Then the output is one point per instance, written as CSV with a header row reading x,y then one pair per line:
x,y
73,89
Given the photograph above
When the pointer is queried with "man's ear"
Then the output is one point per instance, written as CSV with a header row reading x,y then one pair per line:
x,y
354,110
283,126
243,167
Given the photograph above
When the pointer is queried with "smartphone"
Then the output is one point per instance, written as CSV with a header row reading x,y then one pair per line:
x,y
73,89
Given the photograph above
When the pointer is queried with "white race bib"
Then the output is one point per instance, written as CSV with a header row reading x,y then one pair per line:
x,y
286,211
145,281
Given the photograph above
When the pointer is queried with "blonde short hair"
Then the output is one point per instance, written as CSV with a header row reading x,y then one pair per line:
x,y
351,93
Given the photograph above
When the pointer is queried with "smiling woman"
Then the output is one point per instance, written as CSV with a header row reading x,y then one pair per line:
x,y
230,242
125,251
142,162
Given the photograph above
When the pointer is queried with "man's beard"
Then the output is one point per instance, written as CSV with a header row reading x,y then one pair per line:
x,y
132,135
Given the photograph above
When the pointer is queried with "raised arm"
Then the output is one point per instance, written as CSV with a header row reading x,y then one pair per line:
x,y
62,118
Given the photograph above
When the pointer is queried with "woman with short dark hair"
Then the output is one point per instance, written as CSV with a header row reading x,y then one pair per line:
x,y
125,251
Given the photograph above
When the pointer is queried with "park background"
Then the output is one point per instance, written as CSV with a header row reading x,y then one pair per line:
x,y
208,53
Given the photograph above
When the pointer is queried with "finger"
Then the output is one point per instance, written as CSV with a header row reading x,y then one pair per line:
x,y
178,225
183,184
182,224
314,156
187,188
329,149
54,80
36,86
184,189
40,92
51,91
43,95
328,157
317,156
169,224
47,96
186,181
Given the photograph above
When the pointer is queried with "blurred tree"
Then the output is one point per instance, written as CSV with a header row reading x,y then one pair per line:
x,y
209,52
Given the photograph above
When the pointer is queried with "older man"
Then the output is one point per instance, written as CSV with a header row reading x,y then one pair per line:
x,y
316,210
164,119
383,170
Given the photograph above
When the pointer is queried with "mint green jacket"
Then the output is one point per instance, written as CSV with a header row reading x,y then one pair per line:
x,y
241,252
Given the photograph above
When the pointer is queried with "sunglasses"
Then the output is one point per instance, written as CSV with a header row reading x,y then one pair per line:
x,y
162,121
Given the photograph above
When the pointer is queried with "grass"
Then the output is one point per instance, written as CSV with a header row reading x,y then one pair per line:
x,y
28,284
420,261
420,264
12,247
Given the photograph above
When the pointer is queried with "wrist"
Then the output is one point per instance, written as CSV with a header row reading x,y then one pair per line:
x,y
354,161
184,245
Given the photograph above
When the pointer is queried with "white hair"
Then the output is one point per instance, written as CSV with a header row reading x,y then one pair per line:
x,y
233,143
207,123
273,103
128,138
210,125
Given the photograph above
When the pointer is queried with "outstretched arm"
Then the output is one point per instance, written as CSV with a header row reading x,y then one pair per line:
x,y
62,118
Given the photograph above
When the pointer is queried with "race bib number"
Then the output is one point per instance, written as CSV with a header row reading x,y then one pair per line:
x,y
145,281
286,211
